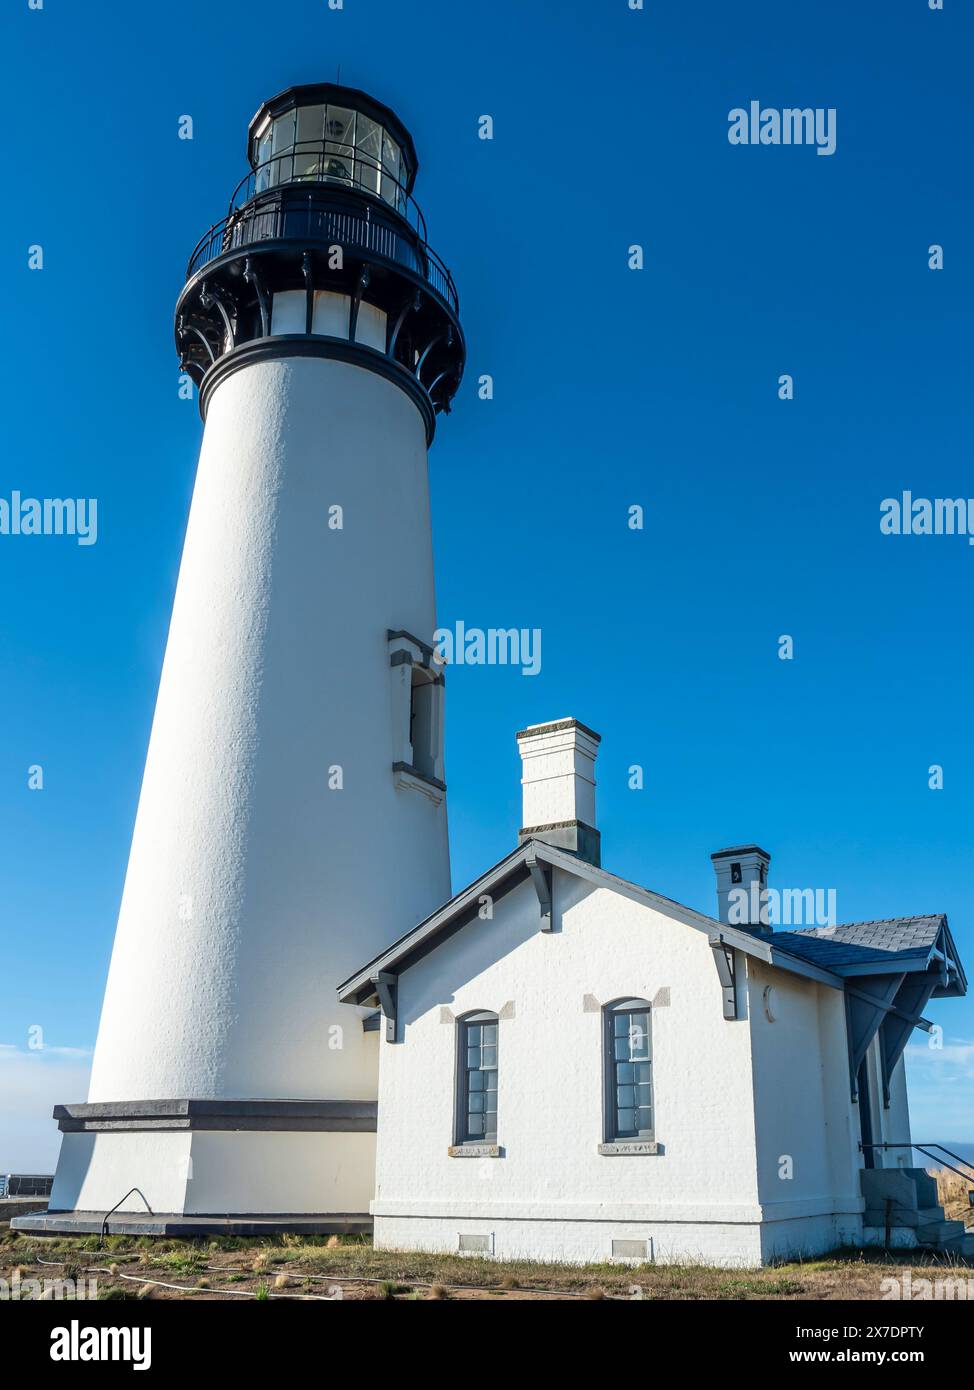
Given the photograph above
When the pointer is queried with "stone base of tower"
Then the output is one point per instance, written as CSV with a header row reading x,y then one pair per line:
x,y
295,1164
181,1227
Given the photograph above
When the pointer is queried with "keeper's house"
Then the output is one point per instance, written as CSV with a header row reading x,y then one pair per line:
x,y
575,1068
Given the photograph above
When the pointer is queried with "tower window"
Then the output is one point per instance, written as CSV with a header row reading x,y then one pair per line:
x,y
417,710
628,1071
422,692
735,873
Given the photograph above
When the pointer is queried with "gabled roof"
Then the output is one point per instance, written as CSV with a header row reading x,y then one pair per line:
x,y
825,954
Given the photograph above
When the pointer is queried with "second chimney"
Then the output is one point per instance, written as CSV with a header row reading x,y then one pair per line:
x,y
742,886
558,781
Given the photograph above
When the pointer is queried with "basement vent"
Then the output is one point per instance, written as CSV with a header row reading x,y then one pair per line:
x,y
475,1245
631,1250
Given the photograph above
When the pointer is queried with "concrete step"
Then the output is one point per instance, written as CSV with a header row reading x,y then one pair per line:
x,y
960,1245
925,1185
897,1216
902,1216
936,1232
900,1237
880,1185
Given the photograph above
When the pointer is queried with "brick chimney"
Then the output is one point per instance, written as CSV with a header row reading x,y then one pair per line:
x,y
558,781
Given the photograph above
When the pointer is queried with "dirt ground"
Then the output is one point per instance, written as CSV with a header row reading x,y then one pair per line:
x,y
227,1268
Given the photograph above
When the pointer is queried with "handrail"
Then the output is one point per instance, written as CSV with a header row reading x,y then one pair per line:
x,y
321,150
925,1148
104,1224
271,217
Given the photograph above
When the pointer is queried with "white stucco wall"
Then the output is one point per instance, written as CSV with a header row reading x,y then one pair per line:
x,y
551,1194
214,1173
808,1165
253,887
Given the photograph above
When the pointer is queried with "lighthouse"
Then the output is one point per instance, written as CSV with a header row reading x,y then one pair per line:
x,y
292,817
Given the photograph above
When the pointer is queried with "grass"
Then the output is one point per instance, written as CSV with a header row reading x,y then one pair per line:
x,y
300,1267
952,1192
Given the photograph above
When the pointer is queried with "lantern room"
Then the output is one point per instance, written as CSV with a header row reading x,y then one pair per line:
x,y
324,133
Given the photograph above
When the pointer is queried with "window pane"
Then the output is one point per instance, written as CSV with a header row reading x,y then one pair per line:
x,y
489,1057
311,124
475,1124
625,1096
477,1081
625,1073
490,1034
473,1057
368,141
639,1035
625,1121
391,171
620,1025
621,1049
283,129
478,1102
642,1070
307,165
340,125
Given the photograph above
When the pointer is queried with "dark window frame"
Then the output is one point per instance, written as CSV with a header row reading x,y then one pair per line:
x,y
477,1020
617,1081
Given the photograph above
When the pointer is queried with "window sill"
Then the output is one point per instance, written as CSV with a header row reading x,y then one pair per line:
x,y
407,776
630,1148
474,1151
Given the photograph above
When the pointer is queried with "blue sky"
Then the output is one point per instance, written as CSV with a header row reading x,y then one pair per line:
x,y
613,387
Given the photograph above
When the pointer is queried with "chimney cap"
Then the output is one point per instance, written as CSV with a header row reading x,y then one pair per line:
x,y
554,726
740,849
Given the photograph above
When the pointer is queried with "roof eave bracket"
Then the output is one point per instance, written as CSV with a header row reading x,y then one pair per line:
x,y
387,990
541,878
725,959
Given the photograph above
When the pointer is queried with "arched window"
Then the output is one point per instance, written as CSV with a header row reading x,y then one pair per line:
x,y
628,1070
477,1078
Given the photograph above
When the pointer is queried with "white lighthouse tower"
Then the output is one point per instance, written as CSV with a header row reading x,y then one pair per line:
x,y
292,817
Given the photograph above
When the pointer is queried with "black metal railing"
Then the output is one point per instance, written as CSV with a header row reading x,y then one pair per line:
x,y
926,1148
290,214
325,161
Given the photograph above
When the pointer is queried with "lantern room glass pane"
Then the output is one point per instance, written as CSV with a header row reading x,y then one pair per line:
x,y
311,125
339,144
283,132
369,146
391,171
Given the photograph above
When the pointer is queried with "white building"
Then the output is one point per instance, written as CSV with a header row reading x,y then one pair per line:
x,y
573,1067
